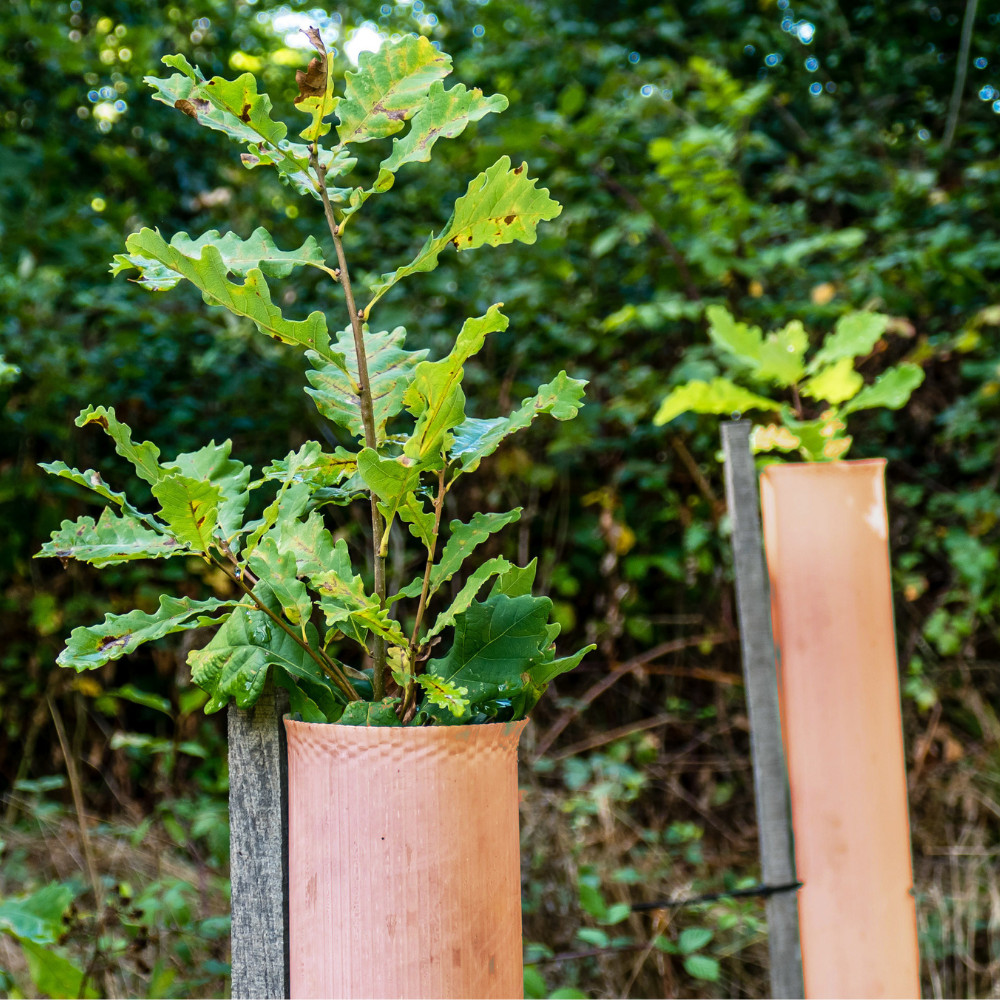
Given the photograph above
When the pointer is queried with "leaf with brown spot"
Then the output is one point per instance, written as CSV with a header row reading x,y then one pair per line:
x,y
113,539
389,87
118,635
190,508
145,456
500,206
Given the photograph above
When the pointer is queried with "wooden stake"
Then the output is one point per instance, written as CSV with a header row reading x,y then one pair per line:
x,y
770,773
258,839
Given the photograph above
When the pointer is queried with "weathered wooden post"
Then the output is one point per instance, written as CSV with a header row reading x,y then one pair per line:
x,y
258,842
774,821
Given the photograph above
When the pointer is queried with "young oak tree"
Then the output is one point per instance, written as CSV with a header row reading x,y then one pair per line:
x,y
301,598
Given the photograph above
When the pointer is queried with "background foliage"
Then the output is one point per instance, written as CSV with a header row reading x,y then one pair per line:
x,y
788,162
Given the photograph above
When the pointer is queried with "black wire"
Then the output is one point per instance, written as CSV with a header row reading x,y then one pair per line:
x,y
674,904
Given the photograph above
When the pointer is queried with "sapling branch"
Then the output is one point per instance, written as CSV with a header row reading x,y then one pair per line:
x,y
367,418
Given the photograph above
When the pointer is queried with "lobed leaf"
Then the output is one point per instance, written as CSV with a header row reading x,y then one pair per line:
x,y
463,541
92,481
113,539
191,509
371,713
495,643
834,383
388,88
119,635
279,569
235,108
238,256
501,205
212,464
776,358
234,664
855,335
516,581
145,456
718,396
497,566
892,389
475,439
444,115
420,520
444,694
435,395
392,480
251,300
335,389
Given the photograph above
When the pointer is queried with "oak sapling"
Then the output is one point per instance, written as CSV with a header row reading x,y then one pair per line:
x,y
821,390
301,602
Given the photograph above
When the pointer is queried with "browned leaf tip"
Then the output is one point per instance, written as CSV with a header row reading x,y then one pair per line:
x,y
312,33
312,80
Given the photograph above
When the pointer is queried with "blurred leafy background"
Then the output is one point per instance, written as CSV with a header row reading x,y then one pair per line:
x,y
784,159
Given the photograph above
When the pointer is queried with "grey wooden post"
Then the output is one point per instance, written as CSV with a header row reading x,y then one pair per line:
x,y
258,841
770,772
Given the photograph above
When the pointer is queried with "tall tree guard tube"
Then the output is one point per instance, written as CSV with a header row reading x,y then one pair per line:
x,y
826,539
404,872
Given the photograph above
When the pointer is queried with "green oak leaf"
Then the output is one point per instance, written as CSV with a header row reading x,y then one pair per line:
x,y
312,545
371,713
435,395
279,569
892,389
212,464
444,694
251,300
37,917
495,643
235,108
238,256
463,540
855,335
776,358
335,389
235,663
445,115
392,480
388,88
501,205
475,439
516,581
496,566
113,539
191,509
92,481
118,635
718,396
412,512
145,456
835,383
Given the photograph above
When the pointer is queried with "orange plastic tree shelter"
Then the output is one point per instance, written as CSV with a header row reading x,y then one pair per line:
x,y
826,540
404,875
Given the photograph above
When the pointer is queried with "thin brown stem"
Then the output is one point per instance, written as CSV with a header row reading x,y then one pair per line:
x,y
367,419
